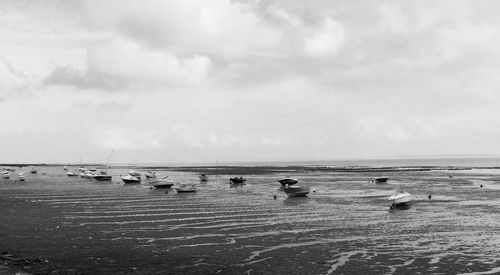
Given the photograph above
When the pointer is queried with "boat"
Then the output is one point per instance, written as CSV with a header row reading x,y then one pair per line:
x,y
71,174
21,176
161,184
87,175
296,191
185,188
288,181
150,175
33,170
82,169
65,168
131,179
380,179
134,173
9,169
203,177
5,175
237,180
399,198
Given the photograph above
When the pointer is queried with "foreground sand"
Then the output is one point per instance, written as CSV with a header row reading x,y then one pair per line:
x,y
76,226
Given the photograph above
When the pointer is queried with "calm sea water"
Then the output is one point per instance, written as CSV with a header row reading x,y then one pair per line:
x,y
385,162
343,227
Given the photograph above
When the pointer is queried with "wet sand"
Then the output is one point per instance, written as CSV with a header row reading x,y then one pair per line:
x,y
77,226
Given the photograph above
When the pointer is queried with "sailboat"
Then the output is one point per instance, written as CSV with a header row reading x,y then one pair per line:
x,y
103,175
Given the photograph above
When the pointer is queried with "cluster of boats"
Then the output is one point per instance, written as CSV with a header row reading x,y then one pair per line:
x,y
6,174
288,185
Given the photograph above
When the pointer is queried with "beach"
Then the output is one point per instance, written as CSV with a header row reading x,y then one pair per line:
x,y
344,226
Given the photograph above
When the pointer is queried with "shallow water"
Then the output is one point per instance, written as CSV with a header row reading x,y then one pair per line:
x,y
343,227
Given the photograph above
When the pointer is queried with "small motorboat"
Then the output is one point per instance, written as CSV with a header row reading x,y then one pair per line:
x,y
92,169
185,188
134,173
87,175
21,176
203,177
288,181
71,174
150,175
380,179
33,170
5,175
237,180
130,179
296,191
161,184
399,198
82,169
65,168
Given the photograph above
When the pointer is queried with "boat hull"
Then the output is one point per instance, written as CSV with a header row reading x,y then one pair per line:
x,y
131,180
381,180
237,180
103,178
296,191
163,185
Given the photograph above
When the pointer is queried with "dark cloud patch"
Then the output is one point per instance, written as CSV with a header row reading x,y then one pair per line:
x,y
83,80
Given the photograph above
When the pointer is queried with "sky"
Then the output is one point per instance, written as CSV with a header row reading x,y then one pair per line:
x,y
195,81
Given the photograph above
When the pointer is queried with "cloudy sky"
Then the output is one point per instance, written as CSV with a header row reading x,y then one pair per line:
x,y
258,80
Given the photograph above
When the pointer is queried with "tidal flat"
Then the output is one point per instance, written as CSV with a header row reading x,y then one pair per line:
x,y
80,226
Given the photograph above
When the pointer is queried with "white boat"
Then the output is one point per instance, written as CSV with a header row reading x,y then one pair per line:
x,y
130,179
33,170
134,173
185,188
21,176
203,177
161,184
288,181
65,168
5,175
88,175
400,198
71,174
150,175
82,169
296,191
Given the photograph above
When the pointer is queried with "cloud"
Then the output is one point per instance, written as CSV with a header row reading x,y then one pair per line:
x,y
12,80
123,64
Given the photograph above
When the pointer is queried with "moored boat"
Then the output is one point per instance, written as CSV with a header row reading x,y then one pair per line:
x,y
5,175
134,173
185,188
150,175
380,179
33,170
399,198
203,177
288,181
296,191
237,180
161,184
21,176
130,179
71,174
